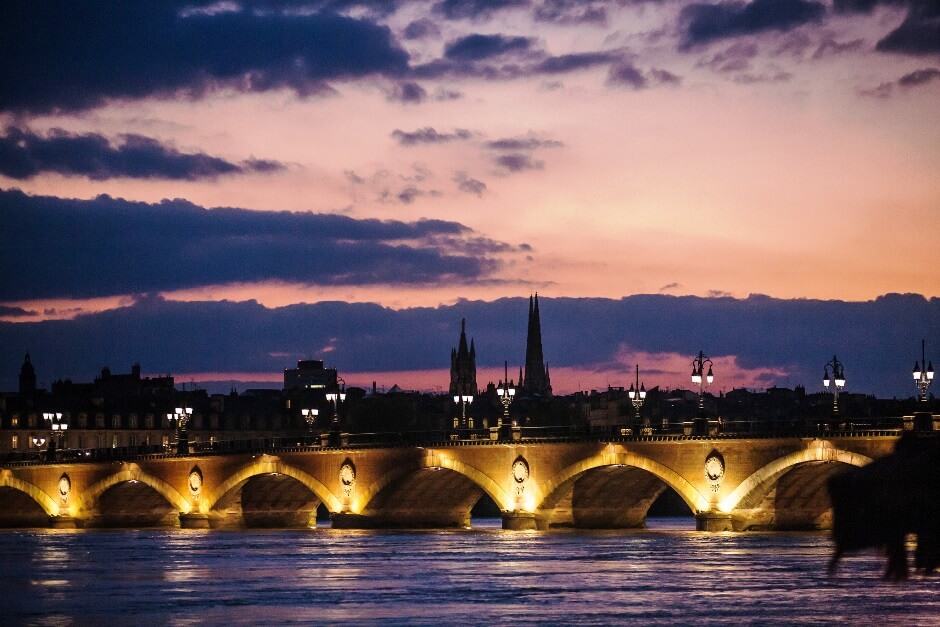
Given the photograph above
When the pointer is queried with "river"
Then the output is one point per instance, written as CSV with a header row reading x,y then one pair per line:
x,y
664,575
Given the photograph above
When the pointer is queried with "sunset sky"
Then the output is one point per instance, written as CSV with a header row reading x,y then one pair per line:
x,y
217,189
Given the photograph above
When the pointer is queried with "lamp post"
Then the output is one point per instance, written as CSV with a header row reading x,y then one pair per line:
x,y
506,392
923,376
637,396
58,427
463,400
38,441
181,416
838,380
310,416
336,398
702,380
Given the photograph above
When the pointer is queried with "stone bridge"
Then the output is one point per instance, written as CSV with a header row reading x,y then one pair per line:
x,y
729,483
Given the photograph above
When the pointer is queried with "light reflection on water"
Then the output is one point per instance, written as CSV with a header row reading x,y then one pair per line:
x,y
664,575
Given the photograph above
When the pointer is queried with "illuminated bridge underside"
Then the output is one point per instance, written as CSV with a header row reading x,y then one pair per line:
x,y
266,501
798,500
132,504
611,497
427,498
18,509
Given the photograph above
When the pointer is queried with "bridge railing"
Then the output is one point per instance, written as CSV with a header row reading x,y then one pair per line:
x,y
466,437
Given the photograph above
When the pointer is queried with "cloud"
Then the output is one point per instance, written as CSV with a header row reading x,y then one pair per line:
x,y
406,92
57,247
752,79
910,80
703,23
735,58
573,62
465,183
881,92
626,74
422,29
428,135
24,155
412,193
477,47
919,77
877,340
475,9
534,64
918,34
518,162
665,77
829,47
529,142
446,95
7,311
572,12
90,53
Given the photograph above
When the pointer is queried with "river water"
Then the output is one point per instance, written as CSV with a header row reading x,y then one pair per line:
x,y
663,575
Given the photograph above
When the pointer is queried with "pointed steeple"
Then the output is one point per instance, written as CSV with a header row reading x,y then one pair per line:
x,y
463,368
27,377
536,375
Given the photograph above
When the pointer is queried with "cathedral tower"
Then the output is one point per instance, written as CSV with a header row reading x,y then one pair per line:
x,y
27,378
536,373
463,365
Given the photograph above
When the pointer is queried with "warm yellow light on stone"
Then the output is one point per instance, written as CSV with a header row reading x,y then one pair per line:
x,y
528,503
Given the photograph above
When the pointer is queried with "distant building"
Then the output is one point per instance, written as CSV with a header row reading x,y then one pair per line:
x,y
463,365
536,380
27,378
109,385
310,374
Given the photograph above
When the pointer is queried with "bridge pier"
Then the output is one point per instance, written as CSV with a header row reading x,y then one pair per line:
x,y
519,521
713,521
62,521
194,520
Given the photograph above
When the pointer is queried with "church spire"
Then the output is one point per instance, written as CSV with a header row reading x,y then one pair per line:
x,y
27,378
536,374
463,367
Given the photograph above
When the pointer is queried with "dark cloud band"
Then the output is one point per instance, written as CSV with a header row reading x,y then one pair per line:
x,y
76,55
702,23
876,340
24,154
106,246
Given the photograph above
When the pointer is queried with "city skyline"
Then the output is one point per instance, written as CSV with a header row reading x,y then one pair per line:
x,y
346,180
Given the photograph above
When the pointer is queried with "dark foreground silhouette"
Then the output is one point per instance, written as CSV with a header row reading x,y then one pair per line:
x,y
878,505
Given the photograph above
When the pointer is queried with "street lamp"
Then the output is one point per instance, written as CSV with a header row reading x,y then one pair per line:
x,y
464,400
698,367
923,377
58,427
310,415
838,380
336,398
506,393
181,415
637,395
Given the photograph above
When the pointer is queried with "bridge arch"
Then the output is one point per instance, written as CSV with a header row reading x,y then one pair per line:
x,y
90,497
770,473
613,470
267,465
696,502
43,500
432,461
